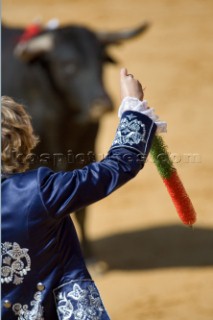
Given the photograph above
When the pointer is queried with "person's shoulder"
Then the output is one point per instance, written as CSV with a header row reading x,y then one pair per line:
x,y
44,170
39,175
36,172
43,173
32,174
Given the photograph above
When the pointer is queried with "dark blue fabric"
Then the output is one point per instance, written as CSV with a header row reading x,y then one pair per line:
x,y
40,248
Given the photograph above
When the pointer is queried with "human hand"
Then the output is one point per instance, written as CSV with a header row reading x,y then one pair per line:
x,y
129,86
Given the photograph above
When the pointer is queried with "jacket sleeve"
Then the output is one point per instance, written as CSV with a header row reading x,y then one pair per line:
x,y
66,192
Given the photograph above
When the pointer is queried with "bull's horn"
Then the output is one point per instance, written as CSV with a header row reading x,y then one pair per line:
x,y
115,37
31,49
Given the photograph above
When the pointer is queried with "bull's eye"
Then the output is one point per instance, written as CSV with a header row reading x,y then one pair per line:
x,y
106,57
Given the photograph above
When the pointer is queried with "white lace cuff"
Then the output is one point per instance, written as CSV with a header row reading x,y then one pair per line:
x,y
131,103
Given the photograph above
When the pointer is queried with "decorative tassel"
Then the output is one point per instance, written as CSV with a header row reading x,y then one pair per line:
x,y
31,31
172,181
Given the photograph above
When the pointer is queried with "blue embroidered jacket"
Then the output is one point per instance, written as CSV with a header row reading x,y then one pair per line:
x,y
43,273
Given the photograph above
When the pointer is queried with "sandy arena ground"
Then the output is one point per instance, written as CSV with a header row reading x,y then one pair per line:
x,y
158,269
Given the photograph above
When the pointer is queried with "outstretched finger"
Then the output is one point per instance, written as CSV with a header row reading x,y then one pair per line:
x,y
123,72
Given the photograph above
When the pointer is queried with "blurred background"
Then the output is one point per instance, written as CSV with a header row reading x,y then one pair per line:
x,y
157,268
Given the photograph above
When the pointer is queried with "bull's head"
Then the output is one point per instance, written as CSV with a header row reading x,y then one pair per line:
x,y
73,59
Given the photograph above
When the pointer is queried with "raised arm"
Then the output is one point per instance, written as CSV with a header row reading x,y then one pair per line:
x,y
66,192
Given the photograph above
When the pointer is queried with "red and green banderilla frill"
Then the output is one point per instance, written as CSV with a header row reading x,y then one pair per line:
x,y
172,181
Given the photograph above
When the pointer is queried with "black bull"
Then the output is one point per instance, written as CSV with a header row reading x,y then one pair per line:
x,y
58,75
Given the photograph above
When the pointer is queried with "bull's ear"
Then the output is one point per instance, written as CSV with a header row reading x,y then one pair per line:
x,y
30,50
116,37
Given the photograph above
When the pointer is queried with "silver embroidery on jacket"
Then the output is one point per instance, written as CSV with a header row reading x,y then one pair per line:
x,y
15,263
129,131
35,313
80,304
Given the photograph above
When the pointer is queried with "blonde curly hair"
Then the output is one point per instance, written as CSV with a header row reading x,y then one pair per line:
x,y
17,136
